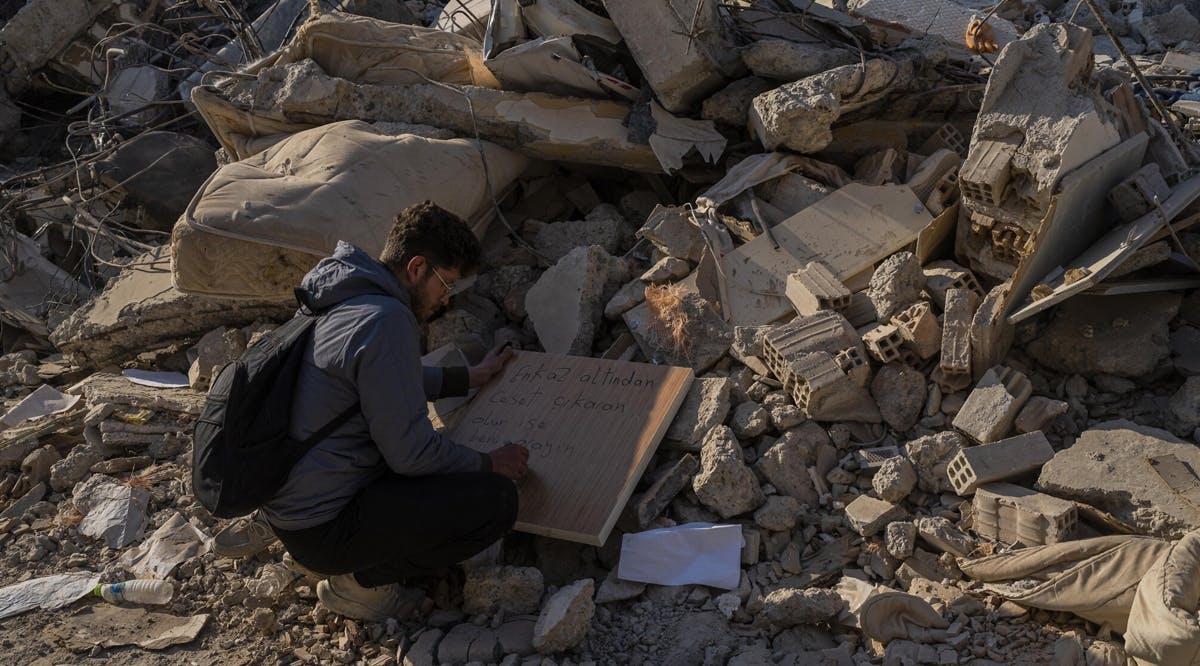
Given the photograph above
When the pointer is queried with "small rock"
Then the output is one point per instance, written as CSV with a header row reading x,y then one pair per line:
x,y
515,590
790,606
749,420
264,621
899,390
901,539
778,513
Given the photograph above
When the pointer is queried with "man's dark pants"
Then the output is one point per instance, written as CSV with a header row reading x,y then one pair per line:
x,y
403,527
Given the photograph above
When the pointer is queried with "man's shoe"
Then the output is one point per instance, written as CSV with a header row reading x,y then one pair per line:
x,y
291,563
344,596
244,537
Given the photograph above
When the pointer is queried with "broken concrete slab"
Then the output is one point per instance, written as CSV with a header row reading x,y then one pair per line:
x,y
1124,335
680,46
604,226
1108,467
731,104
671,230
565,305
848,231
799,115
140,311
785,60
705,407
786,463
1167,29
565,618
724,483
160,171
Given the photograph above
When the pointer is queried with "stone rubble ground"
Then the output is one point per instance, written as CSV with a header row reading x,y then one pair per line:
x,y
845,439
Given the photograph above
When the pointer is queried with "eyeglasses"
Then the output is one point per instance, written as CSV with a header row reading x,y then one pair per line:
x,y
449,286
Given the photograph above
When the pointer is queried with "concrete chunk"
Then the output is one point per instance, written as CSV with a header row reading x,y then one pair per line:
x,y
680,47
800,115
791,61
660,495
705,407
918,327
725,484
565,305
1107,468
1022,517
944,536
1039,413
955,363
896,283
990,409
565,618
1006,459
868,515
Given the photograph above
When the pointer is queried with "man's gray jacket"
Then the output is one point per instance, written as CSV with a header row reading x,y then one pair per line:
x,y
365,349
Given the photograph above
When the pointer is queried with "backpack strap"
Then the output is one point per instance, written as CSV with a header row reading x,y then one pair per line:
x,y
328,428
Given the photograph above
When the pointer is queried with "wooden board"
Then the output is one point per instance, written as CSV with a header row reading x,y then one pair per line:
x,y
848,231
591,426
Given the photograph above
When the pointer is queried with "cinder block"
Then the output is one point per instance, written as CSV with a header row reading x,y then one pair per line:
x,y
825,331
991,334
986,173
1022,517
974,466
816,377
883,342
944,194
1134,196
852,363
815,288
946,136
1008,241
942,276
955,362
825,393
868,515
919,328
992,407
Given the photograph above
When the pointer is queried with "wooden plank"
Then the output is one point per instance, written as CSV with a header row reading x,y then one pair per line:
x,y
591,426
848,231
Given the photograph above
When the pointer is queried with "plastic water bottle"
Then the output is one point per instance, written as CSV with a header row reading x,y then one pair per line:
x,y
136,591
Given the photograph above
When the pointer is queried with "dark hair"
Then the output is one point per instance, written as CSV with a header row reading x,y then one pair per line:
x,y
430,231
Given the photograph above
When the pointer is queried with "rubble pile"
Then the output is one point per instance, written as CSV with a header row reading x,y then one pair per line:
x,y
931,264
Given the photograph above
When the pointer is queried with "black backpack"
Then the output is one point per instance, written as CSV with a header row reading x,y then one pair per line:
x,y
241,451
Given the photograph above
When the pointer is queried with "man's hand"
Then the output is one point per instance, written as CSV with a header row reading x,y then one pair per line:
x,y
490,366
511,461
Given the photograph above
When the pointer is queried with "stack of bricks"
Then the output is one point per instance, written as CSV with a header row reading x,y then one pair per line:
x,y
1021,517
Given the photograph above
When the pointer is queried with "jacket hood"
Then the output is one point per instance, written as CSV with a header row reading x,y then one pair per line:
x,y
348,273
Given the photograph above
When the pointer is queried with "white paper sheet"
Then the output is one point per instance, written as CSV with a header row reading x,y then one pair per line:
x,y
156,379
691,554
177,541
46,400
47,593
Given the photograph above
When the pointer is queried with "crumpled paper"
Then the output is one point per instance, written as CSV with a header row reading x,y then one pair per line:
x,y
176,542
